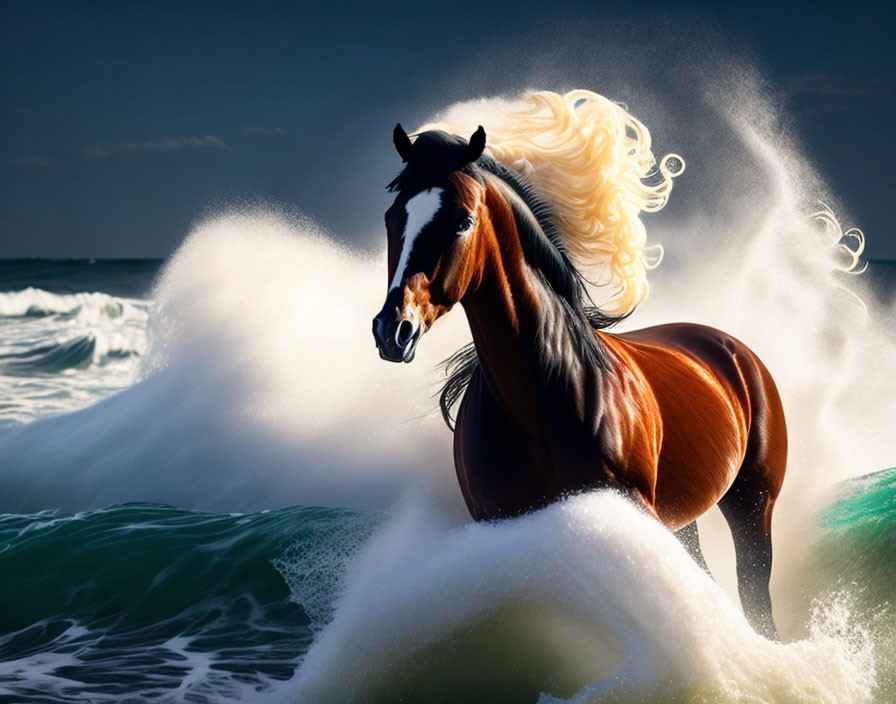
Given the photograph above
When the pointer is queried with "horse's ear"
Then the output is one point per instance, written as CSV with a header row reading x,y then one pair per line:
x,y
402,142
476,145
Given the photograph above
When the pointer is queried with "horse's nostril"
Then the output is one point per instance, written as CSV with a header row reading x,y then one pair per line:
x,y
404,333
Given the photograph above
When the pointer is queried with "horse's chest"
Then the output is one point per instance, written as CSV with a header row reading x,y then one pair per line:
x,y
505,469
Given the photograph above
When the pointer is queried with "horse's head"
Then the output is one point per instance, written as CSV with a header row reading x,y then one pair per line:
x,y
433,237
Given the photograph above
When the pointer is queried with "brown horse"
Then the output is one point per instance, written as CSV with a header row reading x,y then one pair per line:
x,y
680,417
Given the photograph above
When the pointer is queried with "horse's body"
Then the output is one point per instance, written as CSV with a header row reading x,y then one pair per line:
x,y
680,413
680,417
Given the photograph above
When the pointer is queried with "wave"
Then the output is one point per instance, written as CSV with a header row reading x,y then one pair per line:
x,y
260,364
56,357
59,352
144,602
152,603
50,358
68,330
85,306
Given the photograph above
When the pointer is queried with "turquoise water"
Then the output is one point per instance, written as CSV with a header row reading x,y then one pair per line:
x,y
865,505
857,543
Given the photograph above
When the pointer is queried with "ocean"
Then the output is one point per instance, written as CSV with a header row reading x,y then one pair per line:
x,y
212,489
137,601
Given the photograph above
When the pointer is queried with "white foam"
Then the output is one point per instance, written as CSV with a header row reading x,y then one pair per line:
x,y
593,562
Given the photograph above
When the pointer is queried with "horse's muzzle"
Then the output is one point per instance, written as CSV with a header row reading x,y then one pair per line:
x,y
396,339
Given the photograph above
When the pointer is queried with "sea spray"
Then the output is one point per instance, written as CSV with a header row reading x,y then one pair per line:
x,y
778,273
261,372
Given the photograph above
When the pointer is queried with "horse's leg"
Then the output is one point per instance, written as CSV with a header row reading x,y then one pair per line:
x,y
748,504
747,507
690,539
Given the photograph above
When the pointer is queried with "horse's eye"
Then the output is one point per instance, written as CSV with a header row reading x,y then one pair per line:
x,y
466,225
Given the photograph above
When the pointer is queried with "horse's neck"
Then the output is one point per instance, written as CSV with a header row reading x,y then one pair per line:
x,y
521,332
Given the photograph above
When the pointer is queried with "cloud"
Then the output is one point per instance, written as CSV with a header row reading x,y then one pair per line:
x,y
273,131
164,145
31,160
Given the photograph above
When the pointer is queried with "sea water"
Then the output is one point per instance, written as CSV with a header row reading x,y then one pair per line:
x,y
213,489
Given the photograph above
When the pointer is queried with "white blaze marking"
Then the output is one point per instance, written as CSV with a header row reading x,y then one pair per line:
x,y
421,209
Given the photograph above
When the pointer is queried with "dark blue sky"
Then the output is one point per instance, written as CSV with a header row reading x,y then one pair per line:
x,y
123,123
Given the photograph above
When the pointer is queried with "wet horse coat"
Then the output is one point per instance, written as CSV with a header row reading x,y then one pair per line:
x,y
680,417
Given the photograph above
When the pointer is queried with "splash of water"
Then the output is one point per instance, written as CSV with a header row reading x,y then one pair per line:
x,y
262,375
261,371
574,591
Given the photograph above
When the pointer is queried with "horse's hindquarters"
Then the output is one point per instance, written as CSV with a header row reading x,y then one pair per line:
x,y
703,381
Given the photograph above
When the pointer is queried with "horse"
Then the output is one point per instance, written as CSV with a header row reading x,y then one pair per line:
x,y
680,417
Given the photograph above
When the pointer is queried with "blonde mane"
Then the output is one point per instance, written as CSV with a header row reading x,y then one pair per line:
x,y
593,162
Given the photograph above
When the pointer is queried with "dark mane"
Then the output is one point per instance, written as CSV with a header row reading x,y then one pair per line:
x,y
436,155
545,252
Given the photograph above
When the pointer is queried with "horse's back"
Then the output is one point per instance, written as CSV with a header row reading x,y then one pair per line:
x,y
719,407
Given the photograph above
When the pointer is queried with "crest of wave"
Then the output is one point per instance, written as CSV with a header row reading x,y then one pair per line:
x,y
588,600
593,161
